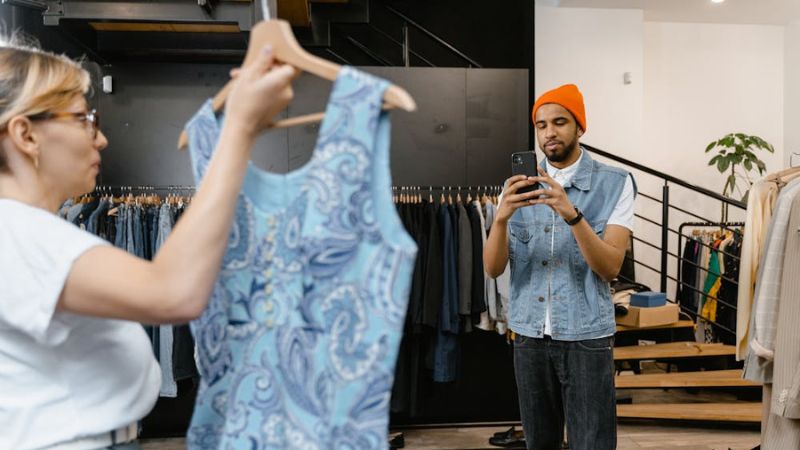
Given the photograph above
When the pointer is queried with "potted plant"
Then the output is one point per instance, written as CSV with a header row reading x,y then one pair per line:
x,y
736,155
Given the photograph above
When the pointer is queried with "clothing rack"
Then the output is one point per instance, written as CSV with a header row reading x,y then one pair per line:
x,y
143,188
487,188
680,283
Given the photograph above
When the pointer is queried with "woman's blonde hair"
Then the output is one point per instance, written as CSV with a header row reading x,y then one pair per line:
x,y
34,81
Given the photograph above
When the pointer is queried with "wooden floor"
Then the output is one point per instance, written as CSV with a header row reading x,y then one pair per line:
x,y
629,437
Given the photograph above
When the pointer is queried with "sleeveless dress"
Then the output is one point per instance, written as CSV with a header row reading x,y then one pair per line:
x,y
297,346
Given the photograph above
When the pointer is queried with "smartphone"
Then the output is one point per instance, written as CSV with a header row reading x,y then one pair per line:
x,y
524,163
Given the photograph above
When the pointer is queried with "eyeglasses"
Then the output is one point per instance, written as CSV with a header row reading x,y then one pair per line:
x,y
91,117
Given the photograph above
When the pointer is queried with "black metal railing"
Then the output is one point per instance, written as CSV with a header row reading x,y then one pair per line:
x,y
664,224
407,21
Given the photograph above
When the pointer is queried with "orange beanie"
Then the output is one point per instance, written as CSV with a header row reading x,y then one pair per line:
x,y
567,96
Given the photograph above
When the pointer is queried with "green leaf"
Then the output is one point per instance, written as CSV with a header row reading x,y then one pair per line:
x,y
744,197
723,164
748,165
714,160
710,146
727,141
761,166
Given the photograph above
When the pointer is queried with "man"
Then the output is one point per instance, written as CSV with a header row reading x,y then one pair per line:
x,y
565,242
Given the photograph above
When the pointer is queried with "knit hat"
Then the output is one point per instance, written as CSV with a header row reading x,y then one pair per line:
x,y
567,96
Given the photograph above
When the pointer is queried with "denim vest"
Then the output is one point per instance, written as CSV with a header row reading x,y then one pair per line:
x,y
546,262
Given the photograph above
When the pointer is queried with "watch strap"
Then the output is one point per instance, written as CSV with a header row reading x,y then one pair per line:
x,y
575,219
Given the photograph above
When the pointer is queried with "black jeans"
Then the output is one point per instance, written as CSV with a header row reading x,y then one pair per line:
x,y
558,379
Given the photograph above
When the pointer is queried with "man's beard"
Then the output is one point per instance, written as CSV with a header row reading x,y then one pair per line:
x,y
563,155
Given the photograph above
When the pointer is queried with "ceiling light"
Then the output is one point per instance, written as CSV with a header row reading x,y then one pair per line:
x,y
717,1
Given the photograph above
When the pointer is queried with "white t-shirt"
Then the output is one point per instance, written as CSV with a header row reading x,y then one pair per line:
x,y
62,376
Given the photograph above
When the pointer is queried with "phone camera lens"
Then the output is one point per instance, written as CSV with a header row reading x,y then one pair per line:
x,y
517,159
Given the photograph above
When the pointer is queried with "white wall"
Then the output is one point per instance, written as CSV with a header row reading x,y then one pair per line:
x,y
791,106
692,83
703,81
593,48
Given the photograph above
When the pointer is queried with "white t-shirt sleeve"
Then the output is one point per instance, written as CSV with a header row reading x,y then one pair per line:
x,y
38,250
623,212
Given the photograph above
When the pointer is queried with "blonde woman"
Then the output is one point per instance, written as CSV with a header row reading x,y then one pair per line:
x,y
76,370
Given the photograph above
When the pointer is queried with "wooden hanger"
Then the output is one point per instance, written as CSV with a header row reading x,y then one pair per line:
x,y
278,34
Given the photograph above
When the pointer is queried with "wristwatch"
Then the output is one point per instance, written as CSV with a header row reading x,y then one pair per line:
x,y
576,219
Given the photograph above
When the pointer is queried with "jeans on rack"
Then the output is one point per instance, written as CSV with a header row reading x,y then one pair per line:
x,y
121,238
92,224
138,232
572,379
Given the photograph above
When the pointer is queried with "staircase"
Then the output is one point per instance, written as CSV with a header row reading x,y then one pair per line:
x,y
694,381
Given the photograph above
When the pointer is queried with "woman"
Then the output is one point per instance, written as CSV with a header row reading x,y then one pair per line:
x,y
76,371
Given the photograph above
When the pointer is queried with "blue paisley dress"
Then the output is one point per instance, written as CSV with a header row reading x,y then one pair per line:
x,y
298,344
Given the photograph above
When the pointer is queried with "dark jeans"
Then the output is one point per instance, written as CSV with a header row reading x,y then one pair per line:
x,y
558,379
128,446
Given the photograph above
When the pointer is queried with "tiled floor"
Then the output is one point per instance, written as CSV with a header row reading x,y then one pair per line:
x,y
630,436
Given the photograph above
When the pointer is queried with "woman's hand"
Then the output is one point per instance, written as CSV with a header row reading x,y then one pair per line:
x,y
260,91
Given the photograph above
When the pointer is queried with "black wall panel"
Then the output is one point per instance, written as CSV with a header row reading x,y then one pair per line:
x,y
496,122
467,124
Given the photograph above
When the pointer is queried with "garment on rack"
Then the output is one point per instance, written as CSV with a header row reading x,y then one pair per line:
x,y
142,229
446,350
298,344
763,326
690,259
464,267
707,287
729,289
712,284
760,203
782,425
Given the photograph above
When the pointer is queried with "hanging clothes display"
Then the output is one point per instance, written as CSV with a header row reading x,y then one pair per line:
x,y
761,200
770,339
708,283
139,224
782,427
450,283
764,316
297,346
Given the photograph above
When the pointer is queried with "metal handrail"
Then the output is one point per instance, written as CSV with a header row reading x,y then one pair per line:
x,y
431,35
667,177
666,207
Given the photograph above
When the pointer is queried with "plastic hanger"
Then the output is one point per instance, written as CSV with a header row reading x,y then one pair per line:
x,y
278,34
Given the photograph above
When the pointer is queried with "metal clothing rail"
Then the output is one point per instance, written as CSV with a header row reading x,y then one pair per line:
x,y
681,285
143,188
447,188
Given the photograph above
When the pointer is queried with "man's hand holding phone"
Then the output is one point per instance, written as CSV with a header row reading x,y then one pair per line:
x,y
512,199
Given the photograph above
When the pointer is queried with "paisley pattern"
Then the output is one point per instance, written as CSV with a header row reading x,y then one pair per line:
x,y
297,346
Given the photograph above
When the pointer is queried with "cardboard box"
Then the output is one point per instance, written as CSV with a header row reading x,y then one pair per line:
x,y
649,317
648,299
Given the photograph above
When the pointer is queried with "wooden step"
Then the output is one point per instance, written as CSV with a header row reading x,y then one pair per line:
x,y
716,412
672,350
678,324
709,378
